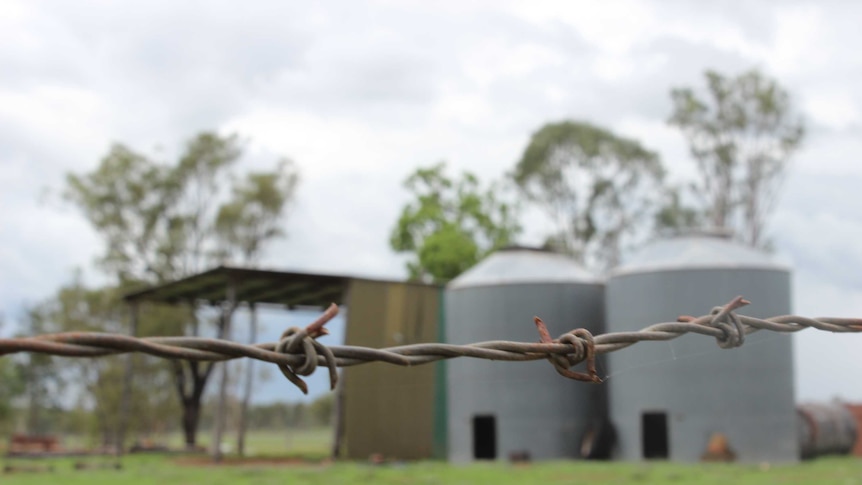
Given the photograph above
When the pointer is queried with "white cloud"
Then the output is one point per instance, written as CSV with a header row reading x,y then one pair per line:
x,y
798,33
834,109
611,28
72,116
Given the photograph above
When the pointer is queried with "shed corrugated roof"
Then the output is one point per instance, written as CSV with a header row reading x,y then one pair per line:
x,y
252,286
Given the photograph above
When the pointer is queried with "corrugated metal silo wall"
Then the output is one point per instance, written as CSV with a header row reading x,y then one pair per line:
x,y
536,410
744,393
390,409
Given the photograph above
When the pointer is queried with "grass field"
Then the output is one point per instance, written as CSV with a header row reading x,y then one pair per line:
x,y
312,446
162,470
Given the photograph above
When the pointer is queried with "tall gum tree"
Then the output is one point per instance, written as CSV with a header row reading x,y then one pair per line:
x,y
741,132
160,222
601,189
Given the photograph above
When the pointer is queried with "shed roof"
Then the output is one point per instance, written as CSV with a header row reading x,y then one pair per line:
x,y
252,286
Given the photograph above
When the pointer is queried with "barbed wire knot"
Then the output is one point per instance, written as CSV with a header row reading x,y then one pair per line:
x,y
583,349
302,341
724,319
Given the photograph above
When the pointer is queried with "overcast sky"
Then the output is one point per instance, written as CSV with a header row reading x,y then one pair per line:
x,y
361,93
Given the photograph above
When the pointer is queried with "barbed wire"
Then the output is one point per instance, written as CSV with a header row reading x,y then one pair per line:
x,y
299,353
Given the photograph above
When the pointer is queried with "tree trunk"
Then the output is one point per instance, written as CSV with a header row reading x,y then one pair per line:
x,y
190,399
195,374
191,378
191,418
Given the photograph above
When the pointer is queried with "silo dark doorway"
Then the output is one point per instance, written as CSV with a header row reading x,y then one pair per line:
x,y
484,438
654,433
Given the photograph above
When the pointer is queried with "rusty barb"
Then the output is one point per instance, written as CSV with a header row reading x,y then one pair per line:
x,y
583,348
298,353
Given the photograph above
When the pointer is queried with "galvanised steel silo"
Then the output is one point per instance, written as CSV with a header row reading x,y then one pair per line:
x,y
519,409
670,399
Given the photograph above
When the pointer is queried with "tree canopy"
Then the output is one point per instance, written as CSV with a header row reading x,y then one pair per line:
x,y
450,224
598,187
162,221
152,215
742,133
253,215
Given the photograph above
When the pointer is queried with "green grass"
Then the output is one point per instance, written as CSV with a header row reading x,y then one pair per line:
x,y
313,445
161,470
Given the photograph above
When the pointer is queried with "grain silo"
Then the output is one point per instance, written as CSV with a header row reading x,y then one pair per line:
x,y
519,409
670,399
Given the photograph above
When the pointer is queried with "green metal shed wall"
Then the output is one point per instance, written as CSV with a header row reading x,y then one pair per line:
x,y
389,409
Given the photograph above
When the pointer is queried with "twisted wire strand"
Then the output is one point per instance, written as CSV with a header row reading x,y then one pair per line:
x,y
298,353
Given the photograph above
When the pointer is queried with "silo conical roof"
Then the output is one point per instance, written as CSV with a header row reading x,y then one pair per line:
x,y
518,265
698,251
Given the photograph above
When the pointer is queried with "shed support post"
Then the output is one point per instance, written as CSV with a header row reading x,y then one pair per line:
x,y
126,396
221,409
338,406
249,383
338,418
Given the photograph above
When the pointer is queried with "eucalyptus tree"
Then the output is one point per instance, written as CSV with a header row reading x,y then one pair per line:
x,y
602,190
162,221
742,133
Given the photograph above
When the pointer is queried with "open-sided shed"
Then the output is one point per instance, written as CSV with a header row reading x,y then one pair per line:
x,y
379,313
